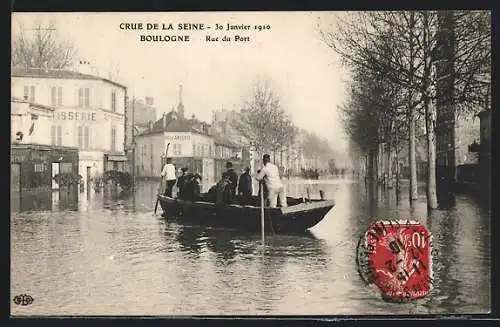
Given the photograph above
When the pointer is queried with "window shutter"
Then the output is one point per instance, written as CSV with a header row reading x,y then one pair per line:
x,y
80,97
86,137
53,95
59,135
53,135
59,96
87,97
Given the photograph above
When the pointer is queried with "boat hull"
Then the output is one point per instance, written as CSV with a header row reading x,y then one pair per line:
x,y
292,219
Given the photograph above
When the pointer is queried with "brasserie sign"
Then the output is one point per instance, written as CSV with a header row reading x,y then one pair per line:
x,y
75,115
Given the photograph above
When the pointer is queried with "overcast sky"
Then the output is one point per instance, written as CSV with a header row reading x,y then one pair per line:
x,y
290,55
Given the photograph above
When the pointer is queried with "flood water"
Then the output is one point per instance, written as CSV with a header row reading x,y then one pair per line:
x,y
107,254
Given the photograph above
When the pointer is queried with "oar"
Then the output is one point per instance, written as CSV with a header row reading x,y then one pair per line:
x,y
161,181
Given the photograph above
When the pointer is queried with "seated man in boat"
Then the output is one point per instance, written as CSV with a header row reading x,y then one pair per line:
x,y
191,187
221,192
245,186
180,182
270,174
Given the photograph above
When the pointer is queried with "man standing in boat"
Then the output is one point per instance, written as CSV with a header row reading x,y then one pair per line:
x,y
168,173
270,174
233,177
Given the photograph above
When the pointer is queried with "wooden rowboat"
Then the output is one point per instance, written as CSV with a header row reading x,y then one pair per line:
x,y
297,217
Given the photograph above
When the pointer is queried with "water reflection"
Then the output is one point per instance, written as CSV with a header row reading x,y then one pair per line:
x,y
44,200
114,247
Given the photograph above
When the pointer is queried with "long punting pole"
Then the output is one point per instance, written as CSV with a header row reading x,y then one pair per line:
x,y
262,212
161,181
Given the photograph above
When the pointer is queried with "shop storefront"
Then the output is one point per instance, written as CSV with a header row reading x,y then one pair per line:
x,y
33,166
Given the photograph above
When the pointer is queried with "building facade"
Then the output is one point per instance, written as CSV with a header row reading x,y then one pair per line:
x,y
191,144
88,113
33,160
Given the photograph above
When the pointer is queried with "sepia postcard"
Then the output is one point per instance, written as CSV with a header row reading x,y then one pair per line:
x,y
250,163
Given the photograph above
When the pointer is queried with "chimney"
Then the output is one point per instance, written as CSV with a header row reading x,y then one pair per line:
x,y
164,118
84,67
149,101
180,107
180,94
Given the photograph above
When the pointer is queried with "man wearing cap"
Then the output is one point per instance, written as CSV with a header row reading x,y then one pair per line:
x,y
233,177
269,173
168,173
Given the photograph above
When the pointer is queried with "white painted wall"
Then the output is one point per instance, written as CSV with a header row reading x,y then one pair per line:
x,y
69,115
21,122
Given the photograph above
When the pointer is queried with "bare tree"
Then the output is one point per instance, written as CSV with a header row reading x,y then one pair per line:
x,y
262,120
40,47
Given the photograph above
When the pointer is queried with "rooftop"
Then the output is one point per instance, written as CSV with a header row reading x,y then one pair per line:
x,y
175,123
58,73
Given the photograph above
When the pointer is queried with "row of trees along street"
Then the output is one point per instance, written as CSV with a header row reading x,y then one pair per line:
x,y
264,122
404,67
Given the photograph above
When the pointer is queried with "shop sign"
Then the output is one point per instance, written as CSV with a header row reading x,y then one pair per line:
x,y
75,115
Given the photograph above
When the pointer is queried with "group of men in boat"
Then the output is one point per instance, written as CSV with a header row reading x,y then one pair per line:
x,y
231,188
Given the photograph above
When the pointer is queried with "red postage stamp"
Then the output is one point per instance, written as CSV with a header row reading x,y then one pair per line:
x,y
396,257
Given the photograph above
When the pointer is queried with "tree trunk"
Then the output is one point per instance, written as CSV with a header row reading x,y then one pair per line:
x,y
432,202
430,115
413,194
413,159
380,163
370,173
390,181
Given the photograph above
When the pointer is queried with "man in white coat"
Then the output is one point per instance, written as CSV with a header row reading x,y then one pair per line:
x,y
168,173
270,174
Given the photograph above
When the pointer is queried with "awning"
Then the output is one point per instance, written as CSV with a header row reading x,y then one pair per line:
x,y
112,157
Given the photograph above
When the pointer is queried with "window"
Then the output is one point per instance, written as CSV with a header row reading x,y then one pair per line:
x,y
38,168
113,138
59,96
179,149
53,96
59,135
65,167
86,137
32,93
113,101
80,137
29,93
84,97
53,139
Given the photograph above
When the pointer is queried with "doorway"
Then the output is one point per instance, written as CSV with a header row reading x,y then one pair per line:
x,y
55,171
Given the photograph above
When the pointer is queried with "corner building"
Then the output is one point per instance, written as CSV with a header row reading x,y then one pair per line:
x,y
88,113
